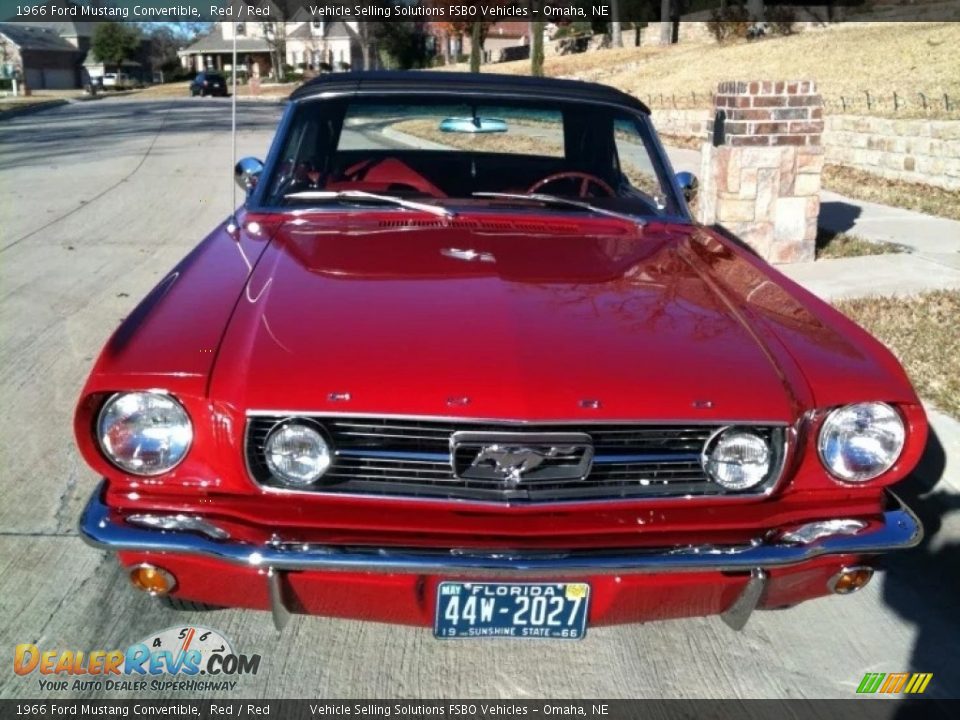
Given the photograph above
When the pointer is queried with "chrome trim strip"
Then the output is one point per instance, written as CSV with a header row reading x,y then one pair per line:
x,y
650,457
444,458
440,458
185,523
583,419
900,529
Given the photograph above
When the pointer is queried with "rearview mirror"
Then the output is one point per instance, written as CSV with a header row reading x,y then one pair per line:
x,y
688,185
247,173
473,125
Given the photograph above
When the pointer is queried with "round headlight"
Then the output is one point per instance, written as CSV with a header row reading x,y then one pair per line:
x,y
144,433
297,454
859,442
737,459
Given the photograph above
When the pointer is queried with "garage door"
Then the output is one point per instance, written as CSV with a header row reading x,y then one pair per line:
x,y
33,78
59,79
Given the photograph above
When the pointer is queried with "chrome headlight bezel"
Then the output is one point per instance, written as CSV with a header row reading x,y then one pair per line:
x,y
774,458
288,481
835,415
126,466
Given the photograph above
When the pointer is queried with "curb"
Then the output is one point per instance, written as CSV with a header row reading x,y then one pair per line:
x,y
411,140
30,109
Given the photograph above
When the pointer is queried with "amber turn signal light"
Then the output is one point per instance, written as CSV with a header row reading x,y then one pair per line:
x,y
151,579
850,579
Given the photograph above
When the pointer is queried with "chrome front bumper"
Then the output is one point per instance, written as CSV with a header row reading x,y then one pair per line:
x,y
898,528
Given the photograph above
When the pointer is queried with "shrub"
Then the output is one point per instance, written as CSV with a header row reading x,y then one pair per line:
x,y
730,23
781,19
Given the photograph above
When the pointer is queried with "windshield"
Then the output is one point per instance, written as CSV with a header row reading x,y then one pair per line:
x,y
476,152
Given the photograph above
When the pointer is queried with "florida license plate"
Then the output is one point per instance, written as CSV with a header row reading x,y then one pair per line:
x,y
521,610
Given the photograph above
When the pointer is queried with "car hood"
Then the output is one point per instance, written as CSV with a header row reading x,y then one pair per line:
x,y
594,320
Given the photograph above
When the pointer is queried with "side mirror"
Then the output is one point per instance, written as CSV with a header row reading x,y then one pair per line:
x,y
688,185
247,173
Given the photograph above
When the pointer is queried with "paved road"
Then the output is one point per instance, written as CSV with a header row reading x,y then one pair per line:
x,y
98,201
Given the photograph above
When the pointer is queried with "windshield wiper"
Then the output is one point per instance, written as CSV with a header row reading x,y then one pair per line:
x,y
361,195
562,202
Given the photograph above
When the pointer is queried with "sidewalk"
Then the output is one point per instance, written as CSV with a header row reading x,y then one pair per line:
x,y
932,263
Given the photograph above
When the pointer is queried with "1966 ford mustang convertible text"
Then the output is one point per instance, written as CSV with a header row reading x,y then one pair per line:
x,y
463,360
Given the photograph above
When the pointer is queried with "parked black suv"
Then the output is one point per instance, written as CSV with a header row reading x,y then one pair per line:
x,y
208,83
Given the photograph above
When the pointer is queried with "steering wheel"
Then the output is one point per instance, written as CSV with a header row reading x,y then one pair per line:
x,y
586,180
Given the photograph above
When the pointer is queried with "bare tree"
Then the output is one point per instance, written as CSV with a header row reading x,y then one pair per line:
x,y
275,33
476,46
616,37
755,9
366,44
666,24
536,48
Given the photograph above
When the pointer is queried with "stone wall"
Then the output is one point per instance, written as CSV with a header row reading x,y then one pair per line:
x,y
683,123
763,182
920,151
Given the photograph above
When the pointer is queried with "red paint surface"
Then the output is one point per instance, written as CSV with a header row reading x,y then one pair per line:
x,y
410,599
649,321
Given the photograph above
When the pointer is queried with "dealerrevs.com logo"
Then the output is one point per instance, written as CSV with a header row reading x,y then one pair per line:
x,y
174,659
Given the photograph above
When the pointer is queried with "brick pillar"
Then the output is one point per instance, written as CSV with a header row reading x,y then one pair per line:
x,y
763,182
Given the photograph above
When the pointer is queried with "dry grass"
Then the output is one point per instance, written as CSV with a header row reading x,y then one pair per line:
x,y
843,245
924,333
687,142
845,59
873,188
182,89
427,129
174,89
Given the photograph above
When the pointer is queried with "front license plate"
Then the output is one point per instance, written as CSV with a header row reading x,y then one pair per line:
x,y
521,610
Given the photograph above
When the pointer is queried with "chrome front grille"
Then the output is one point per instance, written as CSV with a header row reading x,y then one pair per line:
x,y
412,458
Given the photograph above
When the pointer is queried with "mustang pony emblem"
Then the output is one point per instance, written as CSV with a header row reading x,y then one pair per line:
x,y
513,458
512,461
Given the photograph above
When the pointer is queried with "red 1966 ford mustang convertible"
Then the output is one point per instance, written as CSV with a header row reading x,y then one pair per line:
x,y
463,360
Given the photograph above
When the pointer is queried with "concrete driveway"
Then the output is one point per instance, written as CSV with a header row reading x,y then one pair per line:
x,y
98,201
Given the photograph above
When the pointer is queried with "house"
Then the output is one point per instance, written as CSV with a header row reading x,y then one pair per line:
x,y
318,44
309,45
96,68
39,57
214,51
504,41
77,33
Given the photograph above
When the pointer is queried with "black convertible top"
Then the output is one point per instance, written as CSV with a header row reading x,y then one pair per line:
x,y
460,83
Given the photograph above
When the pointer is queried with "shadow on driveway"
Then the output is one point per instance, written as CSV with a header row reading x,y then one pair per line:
x,y
923,584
